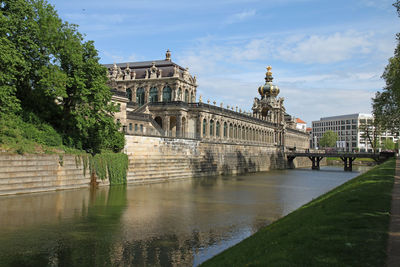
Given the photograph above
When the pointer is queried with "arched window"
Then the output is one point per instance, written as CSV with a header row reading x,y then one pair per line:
x,y
190,97
140,96
167,94
235,131
217,129
129,94
186,96
179,94
230,130
153,95
204,127
211,128
225,129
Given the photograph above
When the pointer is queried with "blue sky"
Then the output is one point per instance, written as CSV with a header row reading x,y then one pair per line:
x,y
326,56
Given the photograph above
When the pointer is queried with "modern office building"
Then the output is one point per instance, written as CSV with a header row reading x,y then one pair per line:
x,y
350,135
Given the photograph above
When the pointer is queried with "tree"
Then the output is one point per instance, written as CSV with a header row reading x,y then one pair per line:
x,y
47,68
370,130
388,144
328,139
386,104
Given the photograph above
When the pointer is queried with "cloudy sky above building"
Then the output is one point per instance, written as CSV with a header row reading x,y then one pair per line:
x,y
327,57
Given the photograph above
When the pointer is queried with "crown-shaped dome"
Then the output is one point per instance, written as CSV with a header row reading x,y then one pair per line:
x,y
268,89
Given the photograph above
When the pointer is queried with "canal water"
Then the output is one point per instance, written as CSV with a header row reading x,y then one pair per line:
x,y
179,223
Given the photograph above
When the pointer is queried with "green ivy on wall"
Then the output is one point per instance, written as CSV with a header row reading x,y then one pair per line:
x,y
113,166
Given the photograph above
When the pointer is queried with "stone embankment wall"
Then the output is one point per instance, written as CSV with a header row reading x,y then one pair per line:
x,y
151,159
41,172
154,159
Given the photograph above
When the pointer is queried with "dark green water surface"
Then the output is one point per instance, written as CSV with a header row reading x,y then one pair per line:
x,y
179,223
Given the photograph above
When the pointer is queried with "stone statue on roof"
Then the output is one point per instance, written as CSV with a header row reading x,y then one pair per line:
x,y
186,75
127,71
114,72
153,71
176,71
120,74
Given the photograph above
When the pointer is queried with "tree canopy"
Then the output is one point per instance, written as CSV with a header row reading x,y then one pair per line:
x,y
386,104
48,69
370,130
328,139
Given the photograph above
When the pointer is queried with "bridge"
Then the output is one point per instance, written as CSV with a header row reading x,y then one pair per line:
x,y
346,157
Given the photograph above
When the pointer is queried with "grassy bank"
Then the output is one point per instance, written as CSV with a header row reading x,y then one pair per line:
x,y
31,136
344,227
356,160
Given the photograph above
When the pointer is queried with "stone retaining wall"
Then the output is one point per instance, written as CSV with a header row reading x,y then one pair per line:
x,y
154,159
41,172
151,159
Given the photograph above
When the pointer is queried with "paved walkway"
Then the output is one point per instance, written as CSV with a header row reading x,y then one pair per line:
x,y
394,227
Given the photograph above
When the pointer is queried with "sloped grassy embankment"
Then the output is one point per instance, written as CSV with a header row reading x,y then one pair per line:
x,y
345,227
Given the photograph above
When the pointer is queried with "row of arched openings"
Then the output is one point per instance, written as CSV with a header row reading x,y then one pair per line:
x,y
153,95
236,132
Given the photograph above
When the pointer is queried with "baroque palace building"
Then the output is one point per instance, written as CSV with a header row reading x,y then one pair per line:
x,y
158,98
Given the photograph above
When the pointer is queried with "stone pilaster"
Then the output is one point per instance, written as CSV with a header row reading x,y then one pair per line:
x,y
179,125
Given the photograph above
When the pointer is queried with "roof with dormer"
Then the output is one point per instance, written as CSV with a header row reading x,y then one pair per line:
x,y
166,66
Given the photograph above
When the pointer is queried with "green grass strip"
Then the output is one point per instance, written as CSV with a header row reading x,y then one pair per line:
x,y
357,159
345,227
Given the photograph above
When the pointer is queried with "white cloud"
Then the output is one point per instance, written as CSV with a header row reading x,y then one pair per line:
x,y
381,4
238,17
115,57
326,48
322,102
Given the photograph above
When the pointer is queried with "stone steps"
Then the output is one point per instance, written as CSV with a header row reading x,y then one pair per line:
x,y
156,168
40,178
39,189
22,173
38,184
157,178
39,173
179,164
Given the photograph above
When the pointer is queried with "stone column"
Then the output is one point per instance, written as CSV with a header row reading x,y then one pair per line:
x,y
207,128
134,89
166,124
199,126
174,92
160,93
146,93
179,126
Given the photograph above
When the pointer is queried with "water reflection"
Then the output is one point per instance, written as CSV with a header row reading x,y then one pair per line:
x,y
81,232
171,224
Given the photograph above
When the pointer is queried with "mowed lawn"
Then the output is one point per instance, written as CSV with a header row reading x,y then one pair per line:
x,y
345,227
